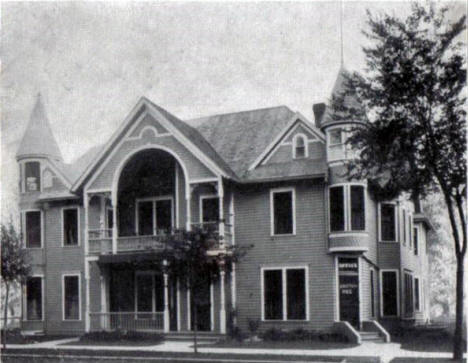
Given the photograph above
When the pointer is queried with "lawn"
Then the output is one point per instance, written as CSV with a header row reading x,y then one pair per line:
x,y
119,338
298,344
422,340
15,337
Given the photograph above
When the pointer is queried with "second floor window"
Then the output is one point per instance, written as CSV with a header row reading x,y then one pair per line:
x,y
347,208
209,209
70,227
415,240
388,222
32,176
282,212
154,216
32,229
300,147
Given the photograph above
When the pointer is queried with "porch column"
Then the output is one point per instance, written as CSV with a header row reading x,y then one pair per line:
x,y
104,297
87,299
222,309
221,211
114,226
166,298
188,200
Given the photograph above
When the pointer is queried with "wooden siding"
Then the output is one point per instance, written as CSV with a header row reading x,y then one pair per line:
x,y
308,247
148,120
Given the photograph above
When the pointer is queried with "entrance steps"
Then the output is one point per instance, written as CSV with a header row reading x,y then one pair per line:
x,y
370,336
202,337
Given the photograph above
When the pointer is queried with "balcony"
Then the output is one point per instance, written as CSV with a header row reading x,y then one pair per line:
x,y
100,240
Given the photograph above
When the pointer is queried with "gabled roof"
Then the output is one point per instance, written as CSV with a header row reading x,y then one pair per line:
x,y
38,139
240,137
192,138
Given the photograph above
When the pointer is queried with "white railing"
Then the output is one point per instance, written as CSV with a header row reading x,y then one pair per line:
x,y
138,243
128,321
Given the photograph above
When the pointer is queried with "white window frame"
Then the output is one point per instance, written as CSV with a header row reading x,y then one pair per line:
x,y
416,227
22,165
306,146
397,292
272,210
202,197
77,208
347,210
43,178
106,223
25,318
153,292
153,200
23,228
284,289
71,274
410,230
342,145
380,222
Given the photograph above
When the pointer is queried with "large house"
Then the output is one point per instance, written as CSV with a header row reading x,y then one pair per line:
x,y
326,255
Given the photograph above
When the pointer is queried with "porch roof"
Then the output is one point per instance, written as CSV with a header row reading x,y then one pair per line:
x,y
136,257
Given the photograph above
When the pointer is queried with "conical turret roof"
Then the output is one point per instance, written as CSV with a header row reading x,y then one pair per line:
x,y
38,139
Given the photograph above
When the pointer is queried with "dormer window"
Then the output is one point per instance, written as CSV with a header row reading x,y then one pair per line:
x,y
336,144
299,147
32,176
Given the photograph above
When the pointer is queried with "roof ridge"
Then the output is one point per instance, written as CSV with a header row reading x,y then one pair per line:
x,y
238,112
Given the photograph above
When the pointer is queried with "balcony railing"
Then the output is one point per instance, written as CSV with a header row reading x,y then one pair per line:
x,y
100,240
129,321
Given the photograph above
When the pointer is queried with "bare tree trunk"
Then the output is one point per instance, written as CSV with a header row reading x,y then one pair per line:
x,y
5,314
458,335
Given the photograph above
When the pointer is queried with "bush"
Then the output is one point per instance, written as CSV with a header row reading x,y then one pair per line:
x,y
301,334
253,326
274,335
235,333
121,335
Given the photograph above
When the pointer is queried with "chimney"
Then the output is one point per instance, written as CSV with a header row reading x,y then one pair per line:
x,y
319,110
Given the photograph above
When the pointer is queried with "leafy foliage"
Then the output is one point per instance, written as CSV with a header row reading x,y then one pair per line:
x,y
412,97
15,266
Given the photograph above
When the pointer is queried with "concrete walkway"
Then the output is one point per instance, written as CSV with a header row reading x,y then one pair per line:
x,y
386,351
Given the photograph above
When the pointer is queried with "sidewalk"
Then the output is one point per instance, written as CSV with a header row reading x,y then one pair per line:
x,y
386,351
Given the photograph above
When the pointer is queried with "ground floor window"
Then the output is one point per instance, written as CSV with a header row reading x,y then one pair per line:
x,y
372,292
284,294
389,291
417,297
409,298
71,297
149,294
34,298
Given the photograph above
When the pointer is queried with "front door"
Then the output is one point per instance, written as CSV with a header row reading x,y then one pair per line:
x,y
201,301
348,273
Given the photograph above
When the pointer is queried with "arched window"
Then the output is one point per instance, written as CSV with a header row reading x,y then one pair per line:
x,y
300,147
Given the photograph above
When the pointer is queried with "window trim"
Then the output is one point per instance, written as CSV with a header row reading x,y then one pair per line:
x,y
25,316
284,289
416,246
306,145
397,292
78,244
347,210
22,164
153,200
273,191
396,214
71,274
23,228
406,315
201,198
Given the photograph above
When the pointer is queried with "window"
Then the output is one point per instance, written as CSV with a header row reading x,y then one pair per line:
x,y
387,222
409,302
283,214
358,218
336,144
284,294
33,230
209,209
154,216
389,293
336,137
71,297
337,210
300,146
415,240
410,230
149,294
70,227
32,172
110,218
347,208
417,301
404,227
34,298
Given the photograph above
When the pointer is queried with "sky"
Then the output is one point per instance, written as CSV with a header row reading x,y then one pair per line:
x,y
92,61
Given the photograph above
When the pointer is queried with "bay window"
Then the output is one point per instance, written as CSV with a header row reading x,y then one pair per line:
x,y
347,208
33,229
34,298
388,222
284,293
32,176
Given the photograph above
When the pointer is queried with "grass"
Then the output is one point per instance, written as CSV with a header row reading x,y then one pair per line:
x,y
298,344
119,338
422,340
15,337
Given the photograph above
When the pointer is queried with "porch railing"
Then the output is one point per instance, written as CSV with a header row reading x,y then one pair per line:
x,y
100,240
128,321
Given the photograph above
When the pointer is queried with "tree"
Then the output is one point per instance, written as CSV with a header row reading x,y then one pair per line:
x,y
411,96
15,266
194,257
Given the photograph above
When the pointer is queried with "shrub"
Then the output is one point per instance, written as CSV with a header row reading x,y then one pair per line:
x,y
235,333
274,334
253,326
